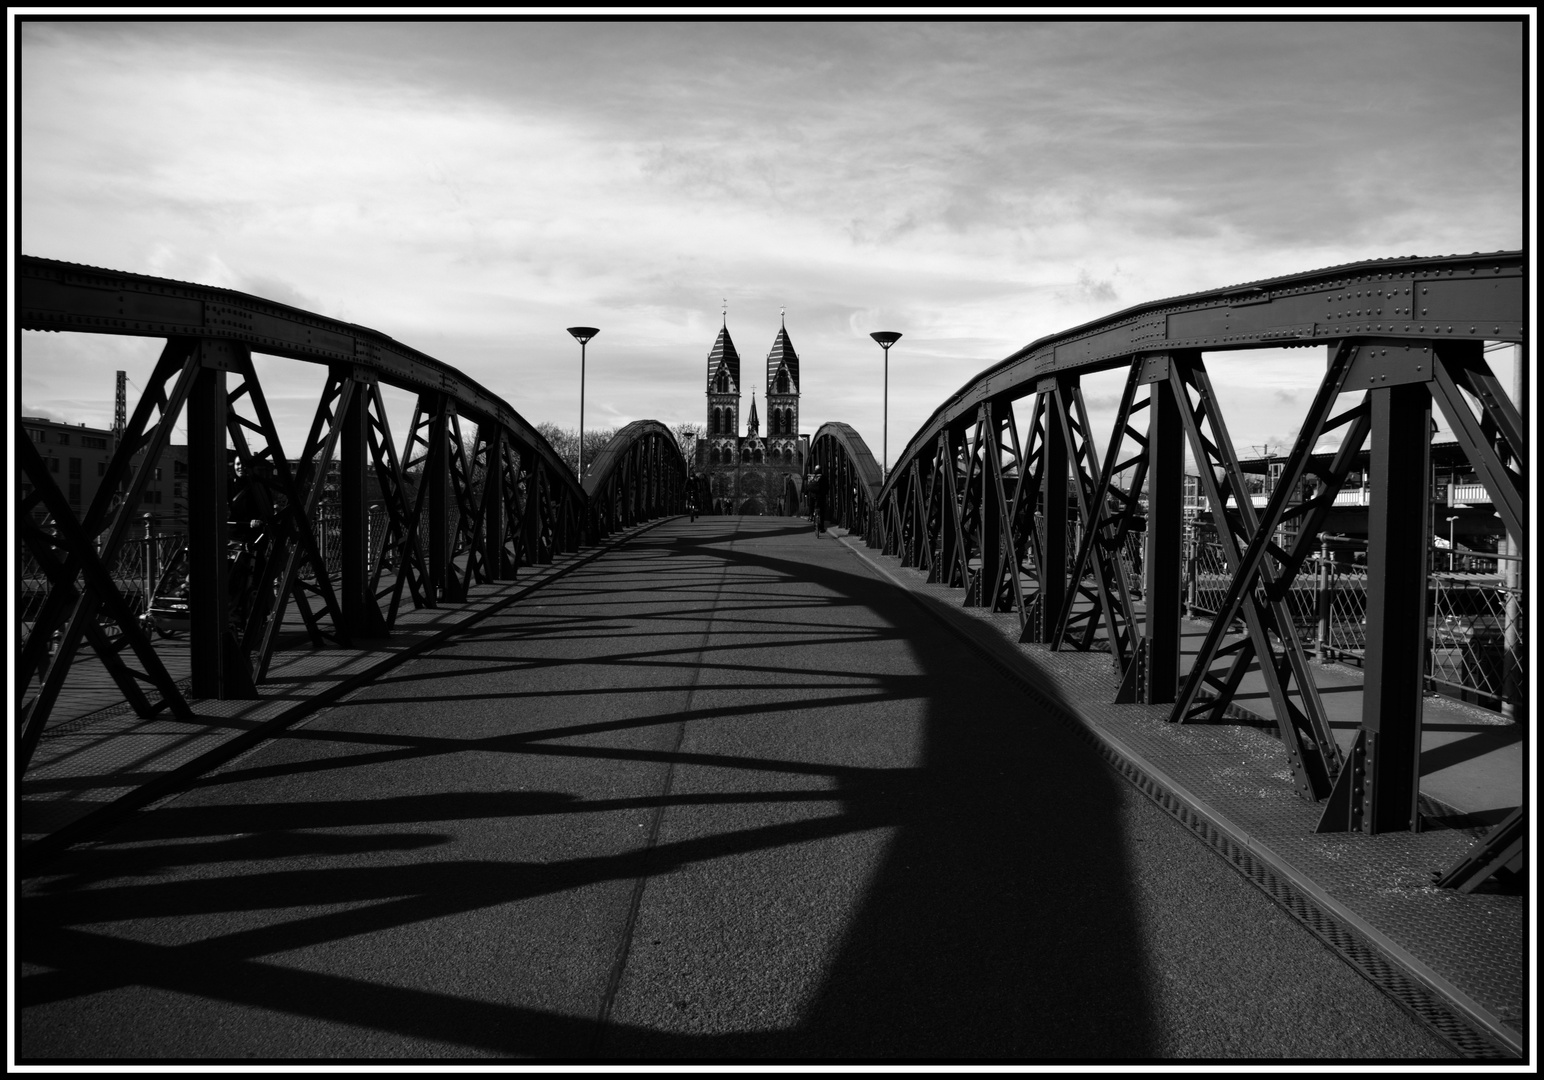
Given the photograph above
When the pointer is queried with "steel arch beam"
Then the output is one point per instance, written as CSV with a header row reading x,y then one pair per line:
x,y
477,508
1478,297
852,480
640,474
942,508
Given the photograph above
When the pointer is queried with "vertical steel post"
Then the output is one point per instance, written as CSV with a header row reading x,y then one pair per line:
x,y
989,529
533,516
493,505
1322,600
1053,517
1165,534
1398,531
436,475
210,644
361,615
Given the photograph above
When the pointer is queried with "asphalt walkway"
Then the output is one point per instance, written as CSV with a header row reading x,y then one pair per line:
x,y
722,793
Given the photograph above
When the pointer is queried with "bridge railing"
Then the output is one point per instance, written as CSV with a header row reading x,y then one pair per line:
x,y
1476,635
355,525
973,497
640,474
852,480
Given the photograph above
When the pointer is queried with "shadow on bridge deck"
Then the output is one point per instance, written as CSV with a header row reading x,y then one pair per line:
x,y
722,795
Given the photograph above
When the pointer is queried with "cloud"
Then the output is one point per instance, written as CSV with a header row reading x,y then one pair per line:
x,y
471,189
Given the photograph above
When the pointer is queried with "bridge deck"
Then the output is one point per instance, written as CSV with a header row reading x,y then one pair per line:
x,y
724,792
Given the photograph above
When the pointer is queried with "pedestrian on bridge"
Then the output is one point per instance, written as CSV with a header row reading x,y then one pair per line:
x,y
815,488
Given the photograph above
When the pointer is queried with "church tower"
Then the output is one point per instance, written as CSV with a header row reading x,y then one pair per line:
x,y
783,401
723,424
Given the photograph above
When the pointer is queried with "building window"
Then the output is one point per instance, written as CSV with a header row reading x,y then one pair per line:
x,y
39,436
53,464
64,438
782,382
179,468
93,442
156,475
75,468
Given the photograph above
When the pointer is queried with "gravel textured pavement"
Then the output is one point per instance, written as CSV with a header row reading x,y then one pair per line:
x,y
720,794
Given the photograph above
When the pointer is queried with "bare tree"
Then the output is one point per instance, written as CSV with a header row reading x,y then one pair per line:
x,y
686,436
566,442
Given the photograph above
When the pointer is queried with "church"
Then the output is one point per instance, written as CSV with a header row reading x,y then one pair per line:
x,y
752,473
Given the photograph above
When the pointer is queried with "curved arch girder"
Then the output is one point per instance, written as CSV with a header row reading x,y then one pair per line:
x,y
1055,530
351,526
640,474
852,478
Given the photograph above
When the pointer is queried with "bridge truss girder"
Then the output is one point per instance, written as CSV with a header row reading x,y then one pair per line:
x,y
970,508
451,510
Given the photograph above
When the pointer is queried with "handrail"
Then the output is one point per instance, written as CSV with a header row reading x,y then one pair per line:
x,y
62,296
1475,297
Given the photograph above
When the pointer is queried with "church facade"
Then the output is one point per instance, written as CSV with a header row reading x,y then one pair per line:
x,y
752,473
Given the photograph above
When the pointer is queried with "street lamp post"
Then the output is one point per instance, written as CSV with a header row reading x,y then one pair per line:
x,y
582,334
1452,550
886,338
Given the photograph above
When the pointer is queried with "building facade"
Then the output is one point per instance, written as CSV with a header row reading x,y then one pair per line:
x,y
77,457
752,473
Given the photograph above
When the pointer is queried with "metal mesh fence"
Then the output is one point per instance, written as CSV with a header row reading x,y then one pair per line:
x,y
1476,634
134,570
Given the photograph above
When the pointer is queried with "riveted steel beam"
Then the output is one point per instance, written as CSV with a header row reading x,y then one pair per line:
x,y
1475,297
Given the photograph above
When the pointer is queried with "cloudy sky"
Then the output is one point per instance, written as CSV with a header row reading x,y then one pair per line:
x,y
473,188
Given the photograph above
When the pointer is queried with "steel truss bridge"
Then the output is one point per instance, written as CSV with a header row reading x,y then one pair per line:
x,y
982,506
458,511
972,500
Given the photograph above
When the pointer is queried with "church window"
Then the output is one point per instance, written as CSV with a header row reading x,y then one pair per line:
x,y
723,382
782,382
787,457
758,455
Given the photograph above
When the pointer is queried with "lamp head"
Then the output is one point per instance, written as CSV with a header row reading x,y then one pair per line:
x,y
583,334
886,338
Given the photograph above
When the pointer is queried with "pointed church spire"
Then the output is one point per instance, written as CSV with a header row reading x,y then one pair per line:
x,y
753,426
782,358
